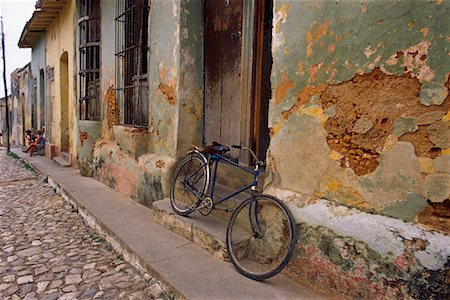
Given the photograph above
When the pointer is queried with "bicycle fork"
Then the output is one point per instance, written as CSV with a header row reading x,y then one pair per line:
x,y
257,229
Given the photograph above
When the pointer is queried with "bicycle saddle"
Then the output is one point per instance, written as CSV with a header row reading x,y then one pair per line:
x,y
215,148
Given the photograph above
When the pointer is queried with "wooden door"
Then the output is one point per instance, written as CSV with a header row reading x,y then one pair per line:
x,y
227,117
223,46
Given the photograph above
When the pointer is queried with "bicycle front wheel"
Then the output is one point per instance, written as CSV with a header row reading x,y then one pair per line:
x,y
261,237
189,182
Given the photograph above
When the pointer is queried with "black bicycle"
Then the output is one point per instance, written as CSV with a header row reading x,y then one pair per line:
x,y
261,232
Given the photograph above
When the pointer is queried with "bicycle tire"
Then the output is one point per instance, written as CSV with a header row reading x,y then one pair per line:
x,y
260,258
189,183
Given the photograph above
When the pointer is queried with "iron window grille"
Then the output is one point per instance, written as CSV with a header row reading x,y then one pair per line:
x,y
89,50
132,61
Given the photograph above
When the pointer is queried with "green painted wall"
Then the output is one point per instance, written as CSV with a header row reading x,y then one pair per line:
x,y
361,98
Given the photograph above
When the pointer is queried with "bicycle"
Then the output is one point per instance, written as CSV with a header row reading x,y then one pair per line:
x,y
261,233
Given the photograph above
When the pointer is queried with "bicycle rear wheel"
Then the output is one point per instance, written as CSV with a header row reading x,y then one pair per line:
x,y
189,182
261,256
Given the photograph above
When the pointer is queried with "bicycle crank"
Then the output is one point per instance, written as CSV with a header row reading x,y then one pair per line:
x,y
206,206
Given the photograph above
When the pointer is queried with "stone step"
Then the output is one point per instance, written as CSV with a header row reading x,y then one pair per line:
x,y
66,156
61,161
208,232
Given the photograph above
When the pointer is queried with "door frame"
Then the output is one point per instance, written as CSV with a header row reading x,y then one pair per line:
x,y
251,58
250,101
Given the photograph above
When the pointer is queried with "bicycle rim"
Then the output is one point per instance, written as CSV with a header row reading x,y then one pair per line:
x,y
188,184
261,257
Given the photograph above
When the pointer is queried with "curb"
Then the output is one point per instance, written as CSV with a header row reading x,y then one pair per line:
x,y
116,243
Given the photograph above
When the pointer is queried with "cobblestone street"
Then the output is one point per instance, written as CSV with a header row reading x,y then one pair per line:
x,y
48,252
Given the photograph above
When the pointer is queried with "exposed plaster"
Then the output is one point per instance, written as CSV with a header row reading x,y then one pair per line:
x,y
384,235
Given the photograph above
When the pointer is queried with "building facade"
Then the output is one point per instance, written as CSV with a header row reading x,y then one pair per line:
x,y
347,101
22,106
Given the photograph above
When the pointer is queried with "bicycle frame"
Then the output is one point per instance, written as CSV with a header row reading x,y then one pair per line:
x,y
216,158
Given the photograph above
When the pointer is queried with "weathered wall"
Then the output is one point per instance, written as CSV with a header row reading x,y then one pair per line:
x,y
60,38
190,80
145,156
361,99
89,132
109,109
164,72
38,64
364,106
21,109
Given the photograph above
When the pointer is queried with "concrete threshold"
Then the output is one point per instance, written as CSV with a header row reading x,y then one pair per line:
x,y
190,271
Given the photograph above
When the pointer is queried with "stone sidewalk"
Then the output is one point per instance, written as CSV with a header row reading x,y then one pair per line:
x,y
49,253
184,268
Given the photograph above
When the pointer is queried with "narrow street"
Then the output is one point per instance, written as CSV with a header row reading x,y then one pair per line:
x,y
48,252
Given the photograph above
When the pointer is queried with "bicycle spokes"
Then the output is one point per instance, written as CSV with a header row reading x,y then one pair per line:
x,y
189,184
260,237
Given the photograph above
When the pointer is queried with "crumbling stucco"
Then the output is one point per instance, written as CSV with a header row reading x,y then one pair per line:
x,y
371,107
112,115
83,136
376,79
384,258
143,179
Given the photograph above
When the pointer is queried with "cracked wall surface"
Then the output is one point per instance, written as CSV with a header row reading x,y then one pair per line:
x,y
361,100
369,80
125,157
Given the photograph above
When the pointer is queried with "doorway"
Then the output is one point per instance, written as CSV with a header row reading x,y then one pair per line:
x,y
64,92
41,122
237,89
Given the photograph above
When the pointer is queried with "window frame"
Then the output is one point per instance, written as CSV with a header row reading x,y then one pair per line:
x,y
89,33
132,61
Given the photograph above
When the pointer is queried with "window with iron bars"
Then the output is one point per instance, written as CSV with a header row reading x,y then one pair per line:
x,y
132,61
89,50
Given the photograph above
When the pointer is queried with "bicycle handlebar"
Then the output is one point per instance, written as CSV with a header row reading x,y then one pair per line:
x,y
251,152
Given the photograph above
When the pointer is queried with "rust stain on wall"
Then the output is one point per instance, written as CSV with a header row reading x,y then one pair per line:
x,y
315,34
169,91
83,136
283,88
112,115
160,164
334,188
304,97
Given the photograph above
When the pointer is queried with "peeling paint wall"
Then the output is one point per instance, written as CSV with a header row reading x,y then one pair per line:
x,y
145,156
164,72
361,98
366,104
89,132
